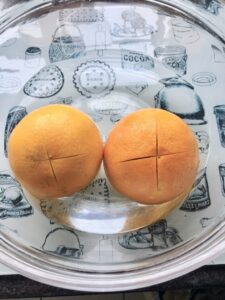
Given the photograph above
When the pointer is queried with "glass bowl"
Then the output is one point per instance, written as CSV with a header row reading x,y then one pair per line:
x,y
110,58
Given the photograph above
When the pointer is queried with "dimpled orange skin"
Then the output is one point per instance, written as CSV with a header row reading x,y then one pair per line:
x,y
55,151
151,156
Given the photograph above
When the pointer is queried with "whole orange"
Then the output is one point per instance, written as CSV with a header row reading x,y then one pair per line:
x,y
151,156
55,151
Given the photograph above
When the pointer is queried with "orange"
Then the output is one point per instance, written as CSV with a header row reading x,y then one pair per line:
x,y
55,151
151,156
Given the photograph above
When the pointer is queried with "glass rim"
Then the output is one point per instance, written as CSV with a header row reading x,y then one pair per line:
x,y
29,261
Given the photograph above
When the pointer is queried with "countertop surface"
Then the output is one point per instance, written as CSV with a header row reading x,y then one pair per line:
x,y
13,285
17,286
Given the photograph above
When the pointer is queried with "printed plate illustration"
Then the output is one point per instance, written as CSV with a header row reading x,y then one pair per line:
x,y
8,83
13,203
133,27
199,197
204,78
98,188
46,83
155,237
94,79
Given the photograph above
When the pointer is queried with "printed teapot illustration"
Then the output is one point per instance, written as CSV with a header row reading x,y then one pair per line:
x,y
67,43
178,96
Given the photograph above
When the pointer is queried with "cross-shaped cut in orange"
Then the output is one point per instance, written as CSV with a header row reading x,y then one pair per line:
x,y
150,155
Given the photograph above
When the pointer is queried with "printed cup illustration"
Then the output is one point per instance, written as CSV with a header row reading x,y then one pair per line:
x,y
184,32
203,141
64,242
67,43
199,197
32,57
106,249
219,112
15,115
174,57
205,222
155,237
13,203
178,96
222,177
